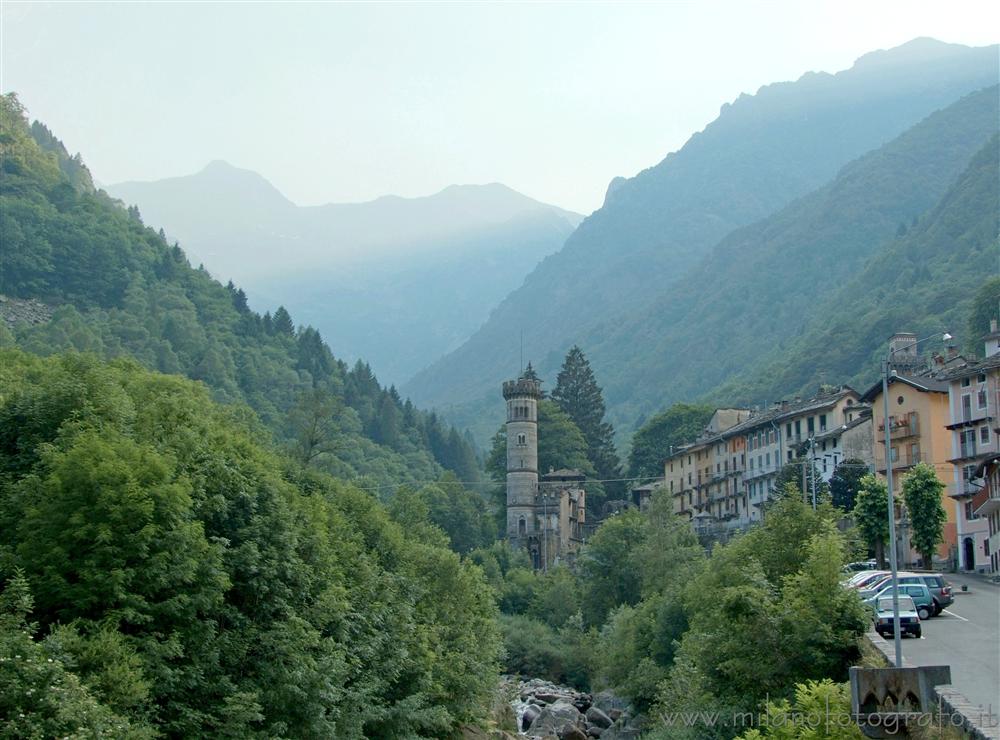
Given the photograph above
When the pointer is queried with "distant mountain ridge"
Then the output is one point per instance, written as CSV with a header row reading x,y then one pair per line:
x,y
761,153
398,281
786,272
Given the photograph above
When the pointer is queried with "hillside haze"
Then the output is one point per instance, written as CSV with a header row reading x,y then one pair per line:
x,y
397,281
760,154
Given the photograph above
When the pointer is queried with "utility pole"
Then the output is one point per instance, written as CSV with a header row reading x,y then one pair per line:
x,y
812,467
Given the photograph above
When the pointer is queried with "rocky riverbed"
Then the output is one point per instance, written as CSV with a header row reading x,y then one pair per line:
x,y
546,710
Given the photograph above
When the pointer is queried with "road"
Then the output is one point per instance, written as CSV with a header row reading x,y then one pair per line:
x,y
965,636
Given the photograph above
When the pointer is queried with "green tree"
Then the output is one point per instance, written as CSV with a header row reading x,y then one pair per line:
x,y
679,424
871,515
578,394
922,494
40,695
313,425
845,481
984,308
791,473
828,702
608,573
283,321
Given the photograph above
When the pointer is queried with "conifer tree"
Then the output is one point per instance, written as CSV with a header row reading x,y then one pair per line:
x,y
283,321
578,394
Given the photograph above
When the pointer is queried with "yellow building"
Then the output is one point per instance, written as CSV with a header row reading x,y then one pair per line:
x,y
918,417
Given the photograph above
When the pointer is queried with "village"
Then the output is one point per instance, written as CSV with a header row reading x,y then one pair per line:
x,y
942,413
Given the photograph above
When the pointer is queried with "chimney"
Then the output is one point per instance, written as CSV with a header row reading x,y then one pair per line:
x,y
938,359
952,352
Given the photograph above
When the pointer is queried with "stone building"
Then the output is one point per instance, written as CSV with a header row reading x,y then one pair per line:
x,y
546,514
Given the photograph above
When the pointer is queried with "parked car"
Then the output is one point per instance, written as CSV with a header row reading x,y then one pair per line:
x,y
909,620
941,590
861,565
918,592
850,580
870,579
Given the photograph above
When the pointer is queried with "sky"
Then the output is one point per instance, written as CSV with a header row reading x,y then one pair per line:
x,y
345,102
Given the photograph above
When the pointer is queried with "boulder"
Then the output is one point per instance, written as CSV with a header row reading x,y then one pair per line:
x,y
554,718
583,702
614,714
572,732
606,701
596,717
594,731
531,712
546,696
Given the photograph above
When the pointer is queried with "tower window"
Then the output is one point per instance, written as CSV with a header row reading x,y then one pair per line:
x,y
522,440
522,526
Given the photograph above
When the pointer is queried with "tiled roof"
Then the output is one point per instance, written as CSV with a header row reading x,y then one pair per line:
x,y
774,415
920,382
843,428
972,367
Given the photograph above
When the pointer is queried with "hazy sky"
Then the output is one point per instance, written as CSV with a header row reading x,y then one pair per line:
x,y
346,102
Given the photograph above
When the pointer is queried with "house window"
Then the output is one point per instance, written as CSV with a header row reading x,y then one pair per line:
x,y
981,378
811,426
970,512
966,382
788,433
769,464
984,437
790,459
893,456
982,398
822,425
798,430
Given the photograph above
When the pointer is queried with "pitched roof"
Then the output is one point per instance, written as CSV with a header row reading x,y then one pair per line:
x,y
971,367
924,383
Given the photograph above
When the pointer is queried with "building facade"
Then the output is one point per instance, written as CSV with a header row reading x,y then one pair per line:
x,y
973,396
918,416
725,478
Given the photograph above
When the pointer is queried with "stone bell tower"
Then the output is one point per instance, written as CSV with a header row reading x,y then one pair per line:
x,y
522,455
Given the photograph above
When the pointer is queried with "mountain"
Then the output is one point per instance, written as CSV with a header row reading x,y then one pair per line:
x,y
761,153
114,287
398,281
924,279
762,284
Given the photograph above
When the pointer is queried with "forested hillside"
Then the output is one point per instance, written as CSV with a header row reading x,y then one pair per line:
x,y
396,281
119,289
164,574
762,284
761,153
924,280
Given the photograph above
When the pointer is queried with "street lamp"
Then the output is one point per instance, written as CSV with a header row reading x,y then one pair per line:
x,y
892,509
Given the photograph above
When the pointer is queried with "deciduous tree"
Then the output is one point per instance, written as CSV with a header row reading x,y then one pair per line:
x,y
922,494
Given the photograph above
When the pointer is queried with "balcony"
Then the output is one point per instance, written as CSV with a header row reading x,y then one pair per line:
x,y
966,451
901,428
968,488
903,460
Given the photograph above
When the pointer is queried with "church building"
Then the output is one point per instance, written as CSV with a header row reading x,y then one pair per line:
x,y
545,514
